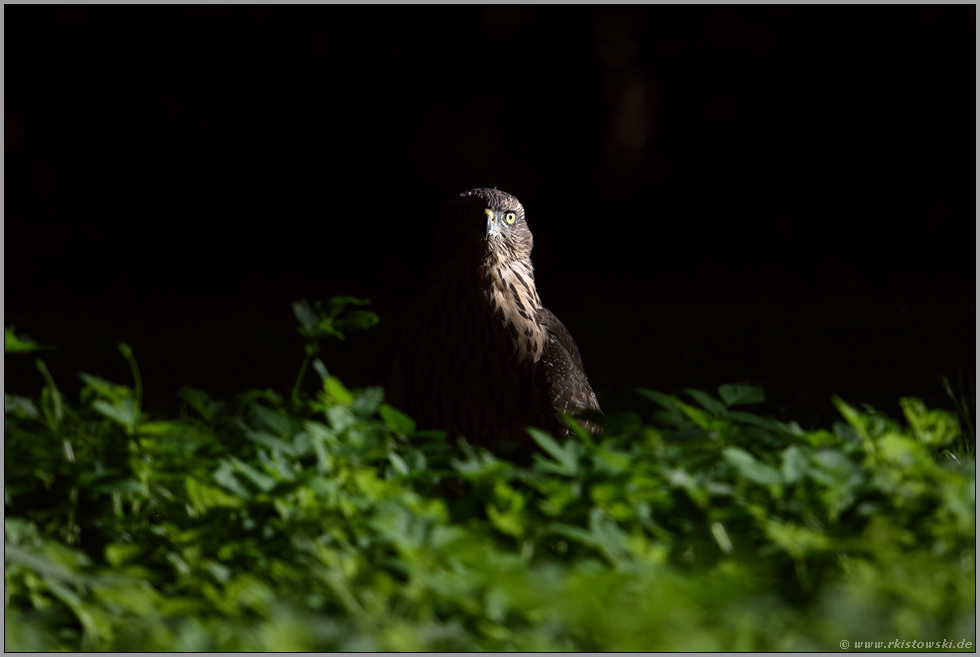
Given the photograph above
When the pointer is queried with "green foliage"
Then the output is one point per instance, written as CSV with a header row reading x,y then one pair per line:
x,y
967,442
332,523
318,322
13,343
330,322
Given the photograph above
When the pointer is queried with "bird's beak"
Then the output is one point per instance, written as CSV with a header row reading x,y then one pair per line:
x,y
492,227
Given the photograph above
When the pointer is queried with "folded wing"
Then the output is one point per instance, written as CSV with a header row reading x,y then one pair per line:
x,y
560,383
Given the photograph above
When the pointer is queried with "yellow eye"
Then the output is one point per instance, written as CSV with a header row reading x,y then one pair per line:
x,y
510,217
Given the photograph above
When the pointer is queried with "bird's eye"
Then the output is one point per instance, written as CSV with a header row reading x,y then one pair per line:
x,y
510,217
462,212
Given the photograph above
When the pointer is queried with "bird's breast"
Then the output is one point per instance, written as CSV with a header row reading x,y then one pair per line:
x,y
472,350
513,302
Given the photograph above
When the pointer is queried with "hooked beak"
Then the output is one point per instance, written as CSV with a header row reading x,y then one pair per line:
x,y
492,228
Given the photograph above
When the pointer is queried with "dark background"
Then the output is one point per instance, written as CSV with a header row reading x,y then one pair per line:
x,y
781,196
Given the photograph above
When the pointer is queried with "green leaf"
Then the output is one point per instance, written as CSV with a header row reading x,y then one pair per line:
x,y
607,535
322,439
797,541
575,427
317,322
336,304
51,403
794,464
124,485
116,554
273,443
341,417
548,444
751,418
225,476
733,394
204,497
320,368
707,401
114,392
200,401
936,428
19,531
698,416
20,407
398,463
279,423
40,563
857,421
127,353
613,461
903,451
667,401
506,523
337,392
672,415
264,482
126,412
750,468
357,319
570,531
506,513
14,344
397,420
671,419
620,423
308,320
366,401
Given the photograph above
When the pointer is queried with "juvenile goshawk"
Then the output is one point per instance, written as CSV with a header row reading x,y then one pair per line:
x,y
478,355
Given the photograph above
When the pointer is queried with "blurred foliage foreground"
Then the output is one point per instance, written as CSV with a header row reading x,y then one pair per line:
x,y
331,523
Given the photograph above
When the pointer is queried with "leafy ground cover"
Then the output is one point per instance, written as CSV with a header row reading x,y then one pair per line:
x,y
329,522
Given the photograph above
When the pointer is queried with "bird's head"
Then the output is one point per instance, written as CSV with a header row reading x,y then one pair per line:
x,y
490,222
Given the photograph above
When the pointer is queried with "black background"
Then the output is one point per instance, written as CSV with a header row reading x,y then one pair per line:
x,y
781,196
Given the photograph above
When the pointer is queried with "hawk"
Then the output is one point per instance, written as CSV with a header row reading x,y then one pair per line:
x,y
478,355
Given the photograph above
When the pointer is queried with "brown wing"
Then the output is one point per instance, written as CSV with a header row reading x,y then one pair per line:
x,y
560,382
